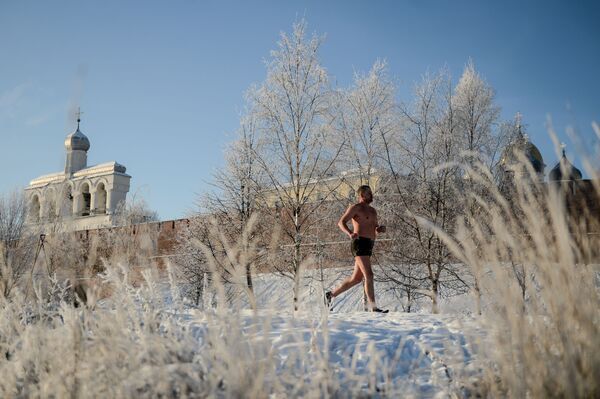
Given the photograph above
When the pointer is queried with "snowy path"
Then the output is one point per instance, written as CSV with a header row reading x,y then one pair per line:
x,y
418,355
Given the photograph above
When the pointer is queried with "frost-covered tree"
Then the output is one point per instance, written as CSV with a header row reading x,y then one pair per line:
x,y
477,116
235,200
191,261
368,117
482,138
17,243
224,217
134,211
135,237
447,132
426,189
293,112
60,254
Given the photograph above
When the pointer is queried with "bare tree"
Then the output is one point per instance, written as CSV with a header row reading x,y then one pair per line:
x,y
134,211
293,112
131,244
17,243
477,116
60,255
223,218
191,261
426,190
78,256
234,202
369,115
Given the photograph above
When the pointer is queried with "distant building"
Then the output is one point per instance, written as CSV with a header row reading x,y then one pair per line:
x,y
522,160
579,196
564,171
511,162
335,187
82,197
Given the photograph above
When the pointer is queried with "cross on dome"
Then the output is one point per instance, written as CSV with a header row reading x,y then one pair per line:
x,y
77,140
78,116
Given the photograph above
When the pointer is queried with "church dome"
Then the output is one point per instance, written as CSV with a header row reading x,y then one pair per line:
x,y
564,170
509,160
77,141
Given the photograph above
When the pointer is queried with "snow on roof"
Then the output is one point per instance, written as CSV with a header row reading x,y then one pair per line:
x,y
107,168
101,169
47,179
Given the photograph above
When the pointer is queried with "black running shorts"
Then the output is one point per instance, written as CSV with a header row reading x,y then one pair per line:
x,y
362,246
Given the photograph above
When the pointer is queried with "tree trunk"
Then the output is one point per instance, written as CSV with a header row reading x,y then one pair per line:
x,y
524,290
249,277
434,297
296,291
199,290
478,296
297,272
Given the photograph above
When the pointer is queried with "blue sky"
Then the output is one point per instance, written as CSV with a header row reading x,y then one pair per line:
x,y
161,84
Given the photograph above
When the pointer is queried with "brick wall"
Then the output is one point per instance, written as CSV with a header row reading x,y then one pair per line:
x,y
579,196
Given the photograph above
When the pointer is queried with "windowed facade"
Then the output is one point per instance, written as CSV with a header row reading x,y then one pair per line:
x,y
81,196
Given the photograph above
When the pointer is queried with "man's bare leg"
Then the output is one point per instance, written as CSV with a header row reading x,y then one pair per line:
x,y
355,278
364,263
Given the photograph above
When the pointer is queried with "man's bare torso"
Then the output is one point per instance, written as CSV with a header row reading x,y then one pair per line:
x,y
364,220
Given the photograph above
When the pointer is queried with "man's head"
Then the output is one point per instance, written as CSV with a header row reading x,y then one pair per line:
x,y
364,194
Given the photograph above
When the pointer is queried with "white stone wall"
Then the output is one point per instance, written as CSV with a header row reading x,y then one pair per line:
x,y
51,198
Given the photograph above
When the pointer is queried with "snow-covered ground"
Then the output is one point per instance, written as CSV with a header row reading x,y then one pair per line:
x,y
275,291
145,341
418,355
413,354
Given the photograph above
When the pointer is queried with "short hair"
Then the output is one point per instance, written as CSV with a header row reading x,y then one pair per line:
x,y
363,189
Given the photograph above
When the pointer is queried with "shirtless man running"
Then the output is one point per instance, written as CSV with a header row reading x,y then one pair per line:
x,y
363,234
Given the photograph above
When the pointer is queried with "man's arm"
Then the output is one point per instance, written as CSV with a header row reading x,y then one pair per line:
x,y
343,223
378,228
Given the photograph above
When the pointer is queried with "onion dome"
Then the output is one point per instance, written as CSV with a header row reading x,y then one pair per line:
x,y
77,140
564,170
522,145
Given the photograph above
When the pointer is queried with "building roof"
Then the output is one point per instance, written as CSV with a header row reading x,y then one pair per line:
x,y
47,179
522,145
564,170
103,169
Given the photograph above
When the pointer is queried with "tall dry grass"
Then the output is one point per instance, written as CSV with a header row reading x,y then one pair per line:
x,y
146,341
533,260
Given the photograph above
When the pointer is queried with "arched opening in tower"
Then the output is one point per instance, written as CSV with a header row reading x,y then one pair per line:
x,y
86,200
66,203
101,199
